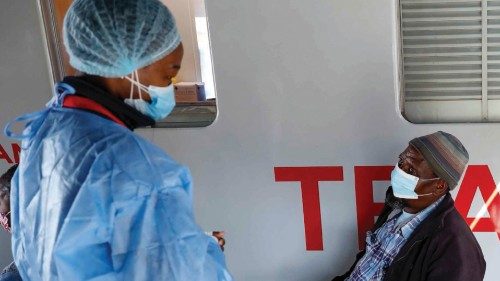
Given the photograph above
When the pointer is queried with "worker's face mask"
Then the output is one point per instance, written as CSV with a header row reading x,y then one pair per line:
x,y
404,185
5,221
162,99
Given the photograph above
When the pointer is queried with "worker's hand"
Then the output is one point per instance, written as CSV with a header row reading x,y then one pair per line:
x,y
220,238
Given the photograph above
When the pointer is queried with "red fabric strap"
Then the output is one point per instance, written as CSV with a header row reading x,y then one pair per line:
x,y
78,102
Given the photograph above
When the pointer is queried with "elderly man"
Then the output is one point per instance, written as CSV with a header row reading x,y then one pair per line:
x,y
419,234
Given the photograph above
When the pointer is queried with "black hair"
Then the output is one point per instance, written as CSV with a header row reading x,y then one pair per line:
x,y
7,177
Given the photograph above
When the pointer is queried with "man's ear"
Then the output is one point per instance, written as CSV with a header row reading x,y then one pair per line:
x,y
441,187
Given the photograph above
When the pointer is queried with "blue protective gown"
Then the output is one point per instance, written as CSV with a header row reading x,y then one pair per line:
x,y
93,201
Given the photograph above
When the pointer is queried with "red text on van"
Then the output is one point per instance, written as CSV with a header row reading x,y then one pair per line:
x,y
476,177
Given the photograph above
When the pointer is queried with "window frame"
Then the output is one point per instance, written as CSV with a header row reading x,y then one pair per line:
x,y
204,114
486,102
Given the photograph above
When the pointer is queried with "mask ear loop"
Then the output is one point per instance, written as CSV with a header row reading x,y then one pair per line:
x,y
134,81
425,194
138,84
131,85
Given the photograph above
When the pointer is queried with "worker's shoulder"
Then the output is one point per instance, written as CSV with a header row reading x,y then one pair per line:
x,y
80,122
99,132
144,168
132,146
145,161
117,146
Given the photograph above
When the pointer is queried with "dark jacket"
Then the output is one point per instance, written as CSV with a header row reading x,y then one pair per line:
x,y
442,248
10,273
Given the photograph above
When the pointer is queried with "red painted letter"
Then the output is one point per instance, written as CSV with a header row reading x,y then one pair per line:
x,y
309,178
16,150
365,207
479,176
4,155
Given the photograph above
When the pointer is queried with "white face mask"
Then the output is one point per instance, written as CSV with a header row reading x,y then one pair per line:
x,y
404,185
162,99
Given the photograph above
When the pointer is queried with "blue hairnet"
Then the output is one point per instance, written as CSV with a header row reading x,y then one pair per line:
x,y
113,38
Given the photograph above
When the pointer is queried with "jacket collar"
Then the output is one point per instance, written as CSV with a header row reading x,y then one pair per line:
x,y
432,224
435,221
413,224
128,115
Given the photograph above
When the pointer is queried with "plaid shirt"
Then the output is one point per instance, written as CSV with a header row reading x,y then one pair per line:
x,y
383,245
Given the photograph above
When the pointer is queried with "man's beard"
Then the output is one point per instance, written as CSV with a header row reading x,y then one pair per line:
x,y
393,201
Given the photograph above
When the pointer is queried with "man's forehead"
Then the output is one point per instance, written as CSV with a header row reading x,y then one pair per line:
x,y
412,152
417,158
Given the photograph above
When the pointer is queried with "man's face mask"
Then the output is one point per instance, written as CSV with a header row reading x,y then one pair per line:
x,y
404,185
5,221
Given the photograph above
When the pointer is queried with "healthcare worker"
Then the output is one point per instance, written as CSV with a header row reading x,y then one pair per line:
x,y
91,200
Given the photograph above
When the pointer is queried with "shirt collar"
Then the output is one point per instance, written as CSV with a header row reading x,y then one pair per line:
x,y
410,226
